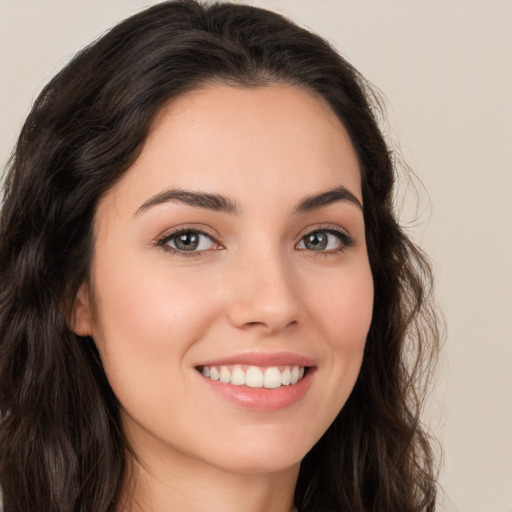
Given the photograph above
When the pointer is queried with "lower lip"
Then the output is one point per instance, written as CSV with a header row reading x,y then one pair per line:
x,y
262,399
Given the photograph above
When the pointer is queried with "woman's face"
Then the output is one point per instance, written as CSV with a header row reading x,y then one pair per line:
x,y
232,251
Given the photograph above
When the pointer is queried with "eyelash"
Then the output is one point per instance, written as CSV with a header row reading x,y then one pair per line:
x,y
164,241
345,239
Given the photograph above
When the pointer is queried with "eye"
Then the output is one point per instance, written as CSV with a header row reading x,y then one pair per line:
x,y
325,240
188,241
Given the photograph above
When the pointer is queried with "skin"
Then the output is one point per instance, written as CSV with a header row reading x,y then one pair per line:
x,y
255,288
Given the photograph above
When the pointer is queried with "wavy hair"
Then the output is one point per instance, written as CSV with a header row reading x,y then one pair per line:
x,y
62,447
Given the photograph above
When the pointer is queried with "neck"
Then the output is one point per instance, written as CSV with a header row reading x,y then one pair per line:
x,y
191,486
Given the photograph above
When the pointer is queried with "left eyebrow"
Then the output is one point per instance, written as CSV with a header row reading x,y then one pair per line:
x,y
334,195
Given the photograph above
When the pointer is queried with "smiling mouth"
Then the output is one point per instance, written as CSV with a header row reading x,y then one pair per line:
x,y
272,377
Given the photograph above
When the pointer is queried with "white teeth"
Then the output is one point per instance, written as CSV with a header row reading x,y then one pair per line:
x,y
272,378
225,375
254,376
238,377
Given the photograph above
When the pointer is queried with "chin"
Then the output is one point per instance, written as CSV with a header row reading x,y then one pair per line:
x,y
266,452
257,465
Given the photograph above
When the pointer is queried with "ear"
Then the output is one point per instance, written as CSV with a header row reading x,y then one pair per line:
x,y
81,322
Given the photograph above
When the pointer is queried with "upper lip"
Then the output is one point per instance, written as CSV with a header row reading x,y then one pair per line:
x,y
262,359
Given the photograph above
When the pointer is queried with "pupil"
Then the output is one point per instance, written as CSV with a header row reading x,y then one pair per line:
x,y
187,241
317,241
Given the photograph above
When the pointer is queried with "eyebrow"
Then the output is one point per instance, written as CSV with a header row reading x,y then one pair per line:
x,y
219,203
334,195
214,202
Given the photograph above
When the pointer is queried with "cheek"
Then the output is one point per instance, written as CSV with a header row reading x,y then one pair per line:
x,y
155,306
147,325
344,307
343,313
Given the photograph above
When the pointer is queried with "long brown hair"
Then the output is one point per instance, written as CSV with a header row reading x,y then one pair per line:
x,y
61,442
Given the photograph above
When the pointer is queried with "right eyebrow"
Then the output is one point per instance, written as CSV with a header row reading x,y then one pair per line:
x,y
214,202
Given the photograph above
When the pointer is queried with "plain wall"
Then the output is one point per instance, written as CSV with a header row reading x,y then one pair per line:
x,y
446,70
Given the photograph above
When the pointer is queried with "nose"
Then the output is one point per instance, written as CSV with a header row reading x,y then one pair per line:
x,y
264,294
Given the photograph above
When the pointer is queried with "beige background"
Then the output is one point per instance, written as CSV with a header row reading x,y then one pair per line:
x,y
446,70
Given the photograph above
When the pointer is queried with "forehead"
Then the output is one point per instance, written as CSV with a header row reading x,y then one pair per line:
x,y
273,142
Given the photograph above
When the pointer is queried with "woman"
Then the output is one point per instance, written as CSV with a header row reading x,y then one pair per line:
x,y
206,298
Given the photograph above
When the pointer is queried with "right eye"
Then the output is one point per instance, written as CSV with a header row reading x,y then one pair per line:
x,y
188,241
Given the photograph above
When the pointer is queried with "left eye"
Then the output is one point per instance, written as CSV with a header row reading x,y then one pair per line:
x,y
323,241
188,241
